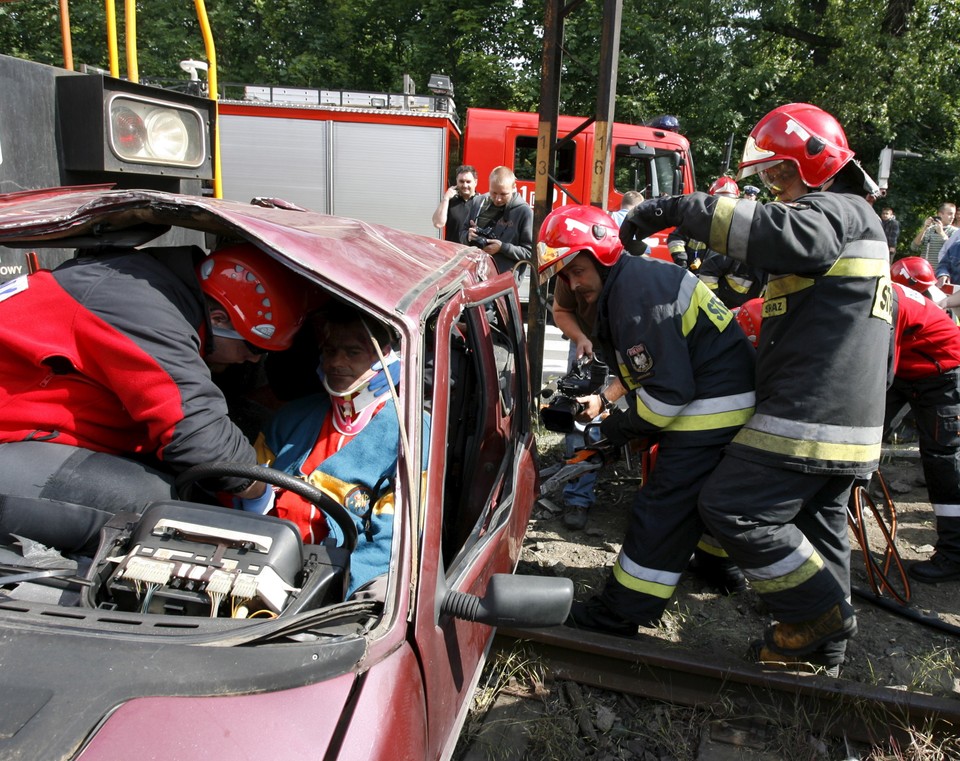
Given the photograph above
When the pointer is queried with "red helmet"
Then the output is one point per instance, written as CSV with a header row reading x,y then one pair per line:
x,y
266,302
571,229
913,272
725,186
749,315
798,132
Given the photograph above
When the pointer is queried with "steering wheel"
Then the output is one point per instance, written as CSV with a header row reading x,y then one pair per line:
x,y
337,512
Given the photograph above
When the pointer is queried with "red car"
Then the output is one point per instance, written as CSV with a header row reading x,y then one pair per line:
x,y
86,675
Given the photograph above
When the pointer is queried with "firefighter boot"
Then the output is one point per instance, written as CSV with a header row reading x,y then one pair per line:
x,y
718,572
937,568
817,662
804,637
595,615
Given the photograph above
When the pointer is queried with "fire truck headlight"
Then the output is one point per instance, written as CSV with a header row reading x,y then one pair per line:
x,y
168,136
143,130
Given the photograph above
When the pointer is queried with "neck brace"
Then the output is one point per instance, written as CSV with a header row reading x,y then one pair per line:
x,y
353,408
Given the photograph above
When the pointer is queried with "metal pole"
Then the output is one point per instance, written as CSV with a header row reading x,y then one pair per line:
x,y
606,101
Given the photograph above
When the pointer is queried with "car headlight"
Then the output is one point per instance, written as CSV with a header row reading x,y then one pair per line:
x,y
147,131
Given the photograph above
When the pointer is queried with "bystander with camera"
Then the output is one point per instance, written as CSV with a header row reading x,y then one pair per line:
x,y
934,233
500,222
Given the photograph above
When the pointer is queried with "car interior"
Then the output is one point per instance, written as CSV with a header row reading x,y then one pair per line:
x,y
193,559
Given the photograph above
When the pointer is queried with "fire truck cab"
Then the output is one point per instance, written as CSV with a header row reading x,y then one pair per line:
x,y
653,161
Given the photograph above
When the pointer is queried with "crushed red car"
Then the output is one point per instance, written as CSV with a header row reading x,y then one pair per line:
x,y
92,670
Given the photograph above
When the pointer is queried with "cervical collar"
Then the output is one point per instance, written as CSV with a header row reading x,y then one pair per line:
x,y
353,408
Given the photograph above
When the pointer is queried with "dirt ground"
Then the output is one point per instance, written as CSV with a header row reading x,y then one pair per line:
x,y
890,649
521,714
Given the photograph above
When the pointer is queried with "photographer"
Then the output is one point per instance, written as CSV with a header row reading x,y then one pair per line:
x,y
500,222
934,233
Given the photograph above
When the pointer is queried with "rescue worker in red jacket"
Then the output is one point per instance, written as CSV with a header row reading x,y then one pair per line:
x,y
105,384
688,374
927,377
777,501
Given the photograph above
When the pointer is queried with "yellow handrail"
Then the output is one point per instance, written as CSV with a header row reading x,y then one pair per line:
x,y
112,39
211,91
130,20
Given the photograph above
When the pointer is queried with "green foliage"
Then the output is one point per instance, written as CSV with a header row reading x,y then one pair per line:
x,y
887,69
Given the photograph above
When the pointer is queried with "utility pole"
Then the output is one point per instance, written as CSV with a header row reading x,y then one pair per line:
x,y
551,67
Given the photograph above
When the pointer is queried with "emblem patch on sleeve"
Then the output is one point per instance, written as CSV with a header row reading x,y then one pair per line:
x,y
640,360
358,501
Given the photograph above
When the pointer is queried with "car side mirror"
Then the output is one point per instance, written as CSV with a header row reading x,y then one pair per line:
x,y
521,602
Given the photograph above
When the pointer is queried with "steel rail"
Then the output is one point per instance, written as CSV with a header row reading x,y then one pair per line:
x,y
650,668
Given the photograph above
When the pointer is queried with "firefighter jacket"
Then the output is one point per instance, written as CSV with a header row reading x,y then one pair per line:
x,y
733,282
105,354
688,369
822,355
685,251
927,341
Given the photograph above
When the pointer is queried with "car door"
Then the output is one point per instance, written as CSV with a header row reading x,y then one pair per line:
x,y
480,490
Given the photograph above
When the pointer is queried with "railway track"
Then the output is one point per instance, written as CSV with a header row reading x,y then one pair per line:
x,y
653,669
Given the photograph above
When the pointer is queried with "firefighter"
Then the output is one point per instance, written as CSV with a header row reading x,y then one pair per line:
x,y
733,282
688,374
777,501
916,272
927,377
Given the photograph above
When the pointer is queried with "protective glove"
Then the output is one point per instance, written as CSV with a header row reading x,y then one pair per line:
x,y
645,219
378,383
613,428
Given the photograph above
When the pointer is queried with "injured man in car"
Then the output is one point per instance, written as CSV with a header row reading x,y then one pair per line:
x,y
344,441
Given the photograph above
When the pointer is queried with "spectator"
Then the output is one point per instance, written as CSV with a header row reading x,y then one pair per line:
x,y
934,233
630,199
777,501
688,374
500,222
948,268
891,228
751,192
106,388
452,211
345,441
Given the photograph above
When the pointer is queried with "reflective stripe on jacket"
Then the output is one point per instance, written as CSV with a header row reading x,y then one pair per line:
x,y
687,368
822,356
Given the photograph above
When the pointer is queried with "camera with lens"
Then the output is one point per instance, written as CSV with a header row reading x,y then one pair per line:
x,y
559,413
483,237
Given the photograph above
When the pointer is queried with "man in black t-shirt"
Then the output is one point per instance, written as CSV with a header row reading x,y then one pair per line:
x,y
452,211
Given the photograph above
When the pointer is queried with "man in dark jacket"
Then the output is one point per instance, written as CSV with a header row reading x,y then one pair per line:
x,y
777,501
500,222
105,385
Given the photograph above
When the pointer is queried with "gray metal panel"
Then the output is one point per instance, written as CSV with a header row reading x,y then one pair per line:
x,y
388,174
276,158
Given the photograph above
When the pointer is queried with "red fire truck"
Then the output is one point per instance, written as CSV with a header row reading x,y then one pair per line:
x,y
386,158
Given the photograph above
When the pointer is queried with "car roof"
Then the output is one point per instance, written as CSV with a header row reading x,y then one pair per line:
x,y
390,270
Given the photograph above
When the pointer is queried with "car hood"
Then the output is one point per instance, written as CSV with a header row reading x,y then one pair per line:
x,y
158,698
